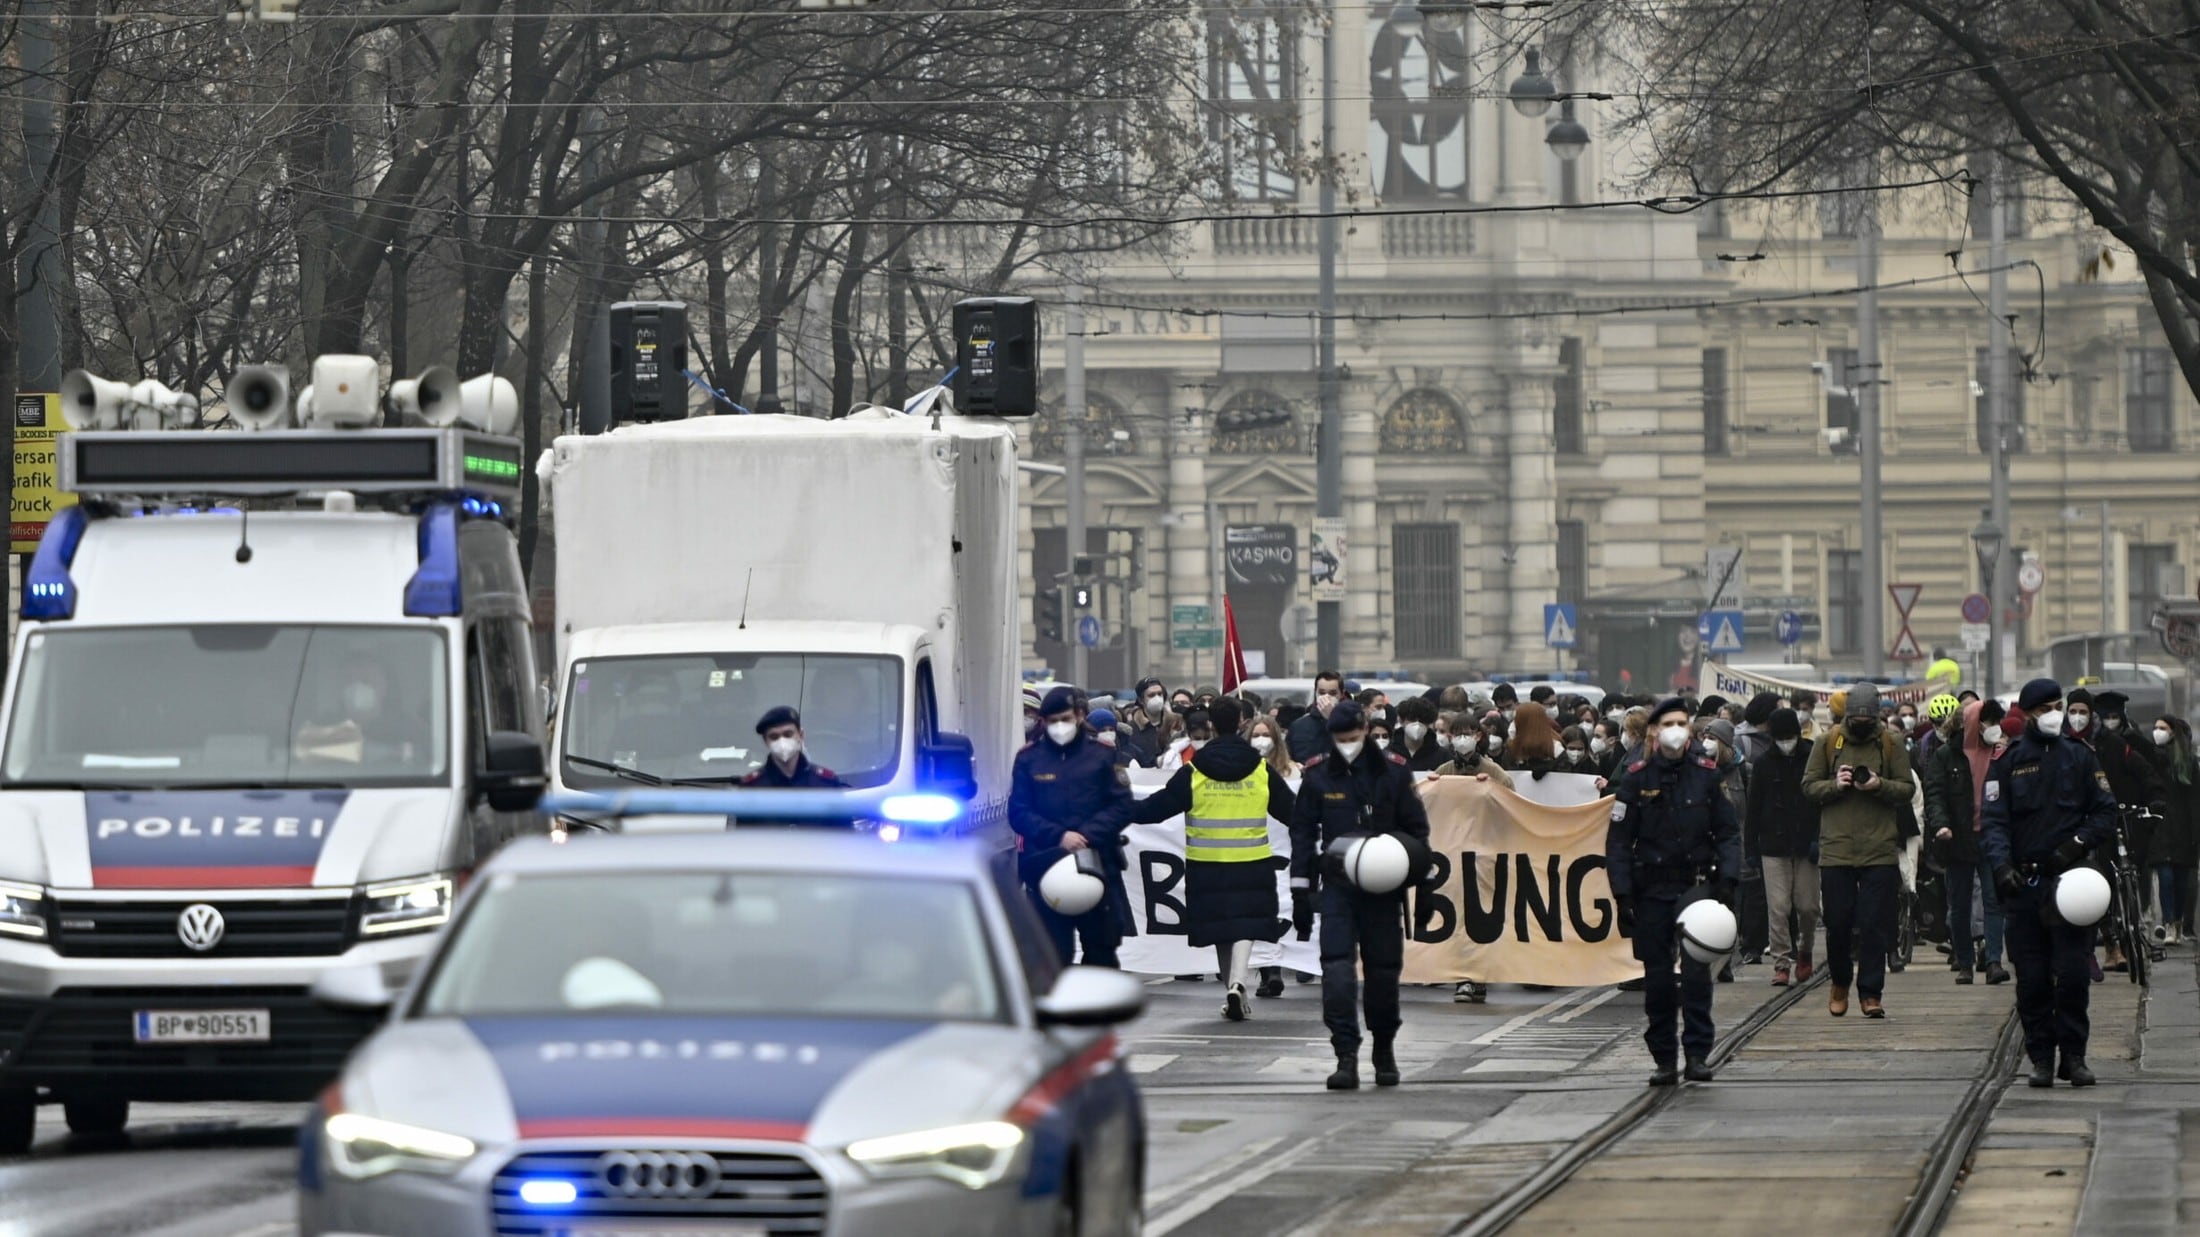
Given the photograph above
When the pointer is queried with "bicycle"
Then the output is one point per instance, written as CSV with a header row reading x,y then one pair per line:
x,y
1902,951
2127,918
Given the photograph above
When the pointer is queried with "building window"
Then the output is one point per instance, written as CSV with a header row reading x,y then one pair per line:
x,y
2148,373
1714,401
1843,378
1424,421
1426,590
1417,125
1573,560
1566,427
2013,374
1252,85
1840,215
2145,565
1844,601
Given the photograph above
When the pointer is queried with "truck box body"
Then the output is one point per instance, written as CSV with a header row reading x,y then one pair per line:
x,y
876,518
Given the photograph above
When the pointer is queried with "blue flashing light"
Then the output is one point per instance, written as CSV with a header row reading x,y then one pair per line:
x,y
919,809
48,592
548,1192
482,508
433,591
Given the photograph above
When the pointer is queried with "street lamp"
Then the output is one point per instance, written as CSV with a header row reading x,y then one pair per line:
x,y
1442,17
1567,138
1533,92
1986,540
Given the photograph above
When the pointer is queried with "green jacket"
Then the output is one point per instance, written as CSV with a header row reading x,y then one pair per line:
x,y
1859,828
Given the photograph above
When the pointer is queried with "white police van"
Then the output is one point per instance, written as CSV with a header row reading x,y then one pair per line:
x,y
246,743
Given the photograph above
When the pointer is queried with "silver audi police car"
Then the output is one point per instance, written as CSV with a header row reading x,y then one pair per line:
x,y
739,1034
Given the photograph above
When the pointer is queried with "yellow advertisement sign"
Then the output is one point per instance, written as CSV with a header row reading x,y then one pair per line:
x,y
38,427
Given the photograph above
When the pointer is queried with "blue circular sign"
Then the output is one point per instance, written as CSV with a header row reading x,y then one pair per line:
x,y
1788,628
1088,632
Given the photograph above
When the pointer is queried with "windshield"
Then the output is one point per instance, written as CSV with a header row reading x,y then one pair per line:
x,y
693,716
721,943
228,705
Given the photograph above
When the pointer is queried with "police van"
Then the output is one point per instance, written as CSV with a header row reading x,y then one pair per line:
x,y
273,696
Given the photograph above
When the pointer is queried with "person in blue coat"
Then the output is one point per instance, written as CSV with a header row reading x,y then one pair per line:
x,y
1065,797
2045,807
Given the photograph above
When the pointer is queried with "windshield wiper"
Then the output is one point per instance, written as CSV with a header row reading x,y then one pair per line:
x,y
58,785
631,774
247,785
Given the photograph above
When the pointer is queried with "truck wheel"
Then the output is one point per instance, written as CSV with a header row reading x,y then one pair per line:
x,y
18,1121
96,1116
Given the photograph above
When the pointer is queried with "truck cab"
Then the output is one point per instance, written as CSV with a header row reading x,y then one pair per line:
x,y
246,745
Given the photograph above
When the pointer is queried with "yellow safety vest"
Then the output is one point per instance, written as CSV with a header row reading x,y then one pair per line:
x,y
1228,822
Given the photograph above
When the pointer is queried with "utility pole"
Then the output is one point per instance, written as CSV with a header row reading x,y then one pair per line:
x,y
1874,609
2108,577
1329,436
2001,652
767,279
1073,475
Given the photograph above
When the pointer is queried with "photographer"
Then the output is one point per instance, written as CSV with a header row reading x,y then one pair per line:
x,y
1861,780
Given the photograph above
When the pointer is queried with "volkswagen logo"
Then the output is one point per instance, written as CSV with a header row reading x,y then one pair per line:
x,y
658,1174
200,927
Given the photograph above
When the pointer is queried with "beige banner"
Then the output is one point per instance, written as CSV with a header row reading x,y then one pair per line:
x,y
1740,685
1541,911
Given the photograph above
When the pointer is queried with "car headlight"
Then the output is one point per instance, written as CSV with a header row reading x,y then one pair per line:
x,y
361,1147
974,1156
417,905
22,910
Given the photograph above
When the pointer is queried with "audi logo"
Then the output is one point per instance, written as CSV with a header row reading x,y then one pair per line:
x,y
658,1174
200,927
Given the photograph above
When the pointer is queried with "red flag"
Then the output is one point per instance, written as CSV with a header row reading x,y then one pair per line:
x,y
1233,653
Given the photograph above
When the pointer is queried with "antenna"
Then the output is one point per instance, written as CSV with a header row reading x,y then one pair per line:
x,y
244,535
746,589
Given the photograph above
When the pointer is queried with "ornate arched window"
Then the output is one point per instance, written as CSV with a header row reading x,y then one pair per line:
x,y
1422,420
1107,430
1417,117
1255,423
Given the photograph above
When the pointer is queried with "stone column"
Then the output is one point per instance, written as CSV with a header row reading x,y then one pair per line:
x,y
1531,577
1190,544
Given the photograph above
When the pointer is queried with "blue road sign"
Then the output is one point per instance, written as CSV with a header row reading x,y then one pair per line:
x,y
1559,625
1088,631
1721,631
1789,627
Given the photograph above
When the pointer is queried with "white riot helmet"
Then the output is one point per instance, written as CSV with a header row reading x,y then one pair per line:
x,y
1707,930
2081,897
1378,863
1072,887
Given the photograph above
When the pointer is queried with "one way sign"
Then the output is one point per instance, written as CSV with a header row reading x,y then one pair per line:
x,y
1559,625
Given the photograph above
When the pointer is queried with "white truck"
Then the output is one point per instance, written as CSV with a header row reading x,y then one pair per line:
x,y
861,570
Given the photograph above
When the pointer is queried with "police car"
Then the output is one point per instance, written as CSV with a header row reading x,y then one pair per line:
x,y
272,696
755,1031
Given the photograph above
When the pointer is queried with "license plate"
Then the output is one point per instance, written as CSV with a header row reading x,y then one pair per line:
x,y
202,1026
630,1228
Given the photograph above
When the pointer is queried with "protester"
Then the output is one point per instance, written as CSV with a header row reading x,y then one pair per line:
x,y
1107,732
1860,778
1420,739
1146,738
1955,780
1750,738
1470,757
1780,833
2131,778
1198,730
1226,794
1309,735
1717,740
1534,747
2173,848
1065,797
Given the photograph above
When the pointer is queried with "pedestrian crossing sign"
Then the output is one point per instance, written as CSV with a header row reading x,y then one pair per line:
x,y
1559,625
1725,631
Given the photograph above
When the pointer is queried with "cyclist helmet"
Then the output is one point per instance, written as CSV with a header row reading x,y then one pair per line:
x,y
1941,707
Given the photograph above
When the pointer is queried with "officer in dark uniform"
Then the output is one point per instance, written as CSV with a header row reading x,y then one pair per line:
x,y
1354,789
787,766
1065,798
2045,806
1673,829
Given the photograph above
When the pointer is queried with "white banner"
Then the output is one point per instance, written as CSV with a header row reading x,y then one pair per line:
x,y
1740,685
1154,877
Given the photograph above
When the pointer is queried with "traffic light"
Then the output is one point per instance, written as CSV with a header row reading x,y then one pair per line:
x,y
1046,608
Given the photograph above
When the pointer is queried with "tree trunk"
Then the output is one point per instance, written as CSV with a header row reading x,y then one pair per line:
x,y
843,330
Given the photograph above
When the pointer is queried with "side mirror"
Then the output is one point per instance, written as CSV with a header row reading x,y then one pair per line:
x,y
353,987
1092,996
511,776
948,765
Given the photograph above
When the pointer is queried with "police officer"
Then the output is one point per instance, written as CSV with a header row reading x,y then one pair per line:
x,y
2046,805
1065,798
1672,829
787,766
1355,789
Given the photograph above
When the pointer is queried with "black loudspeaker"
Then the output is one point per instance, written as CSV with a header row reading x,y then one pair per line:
x,y
997,356
648,360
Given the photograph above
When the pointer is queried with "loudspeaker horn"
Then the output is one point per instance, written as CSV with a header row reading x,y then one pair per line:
x,y
90,402
489,404
259,397
432,397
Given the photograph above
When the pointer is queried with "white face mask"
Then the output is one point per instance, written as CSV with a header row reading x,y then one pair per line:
x,y
1908,721
1197,744
1509,713
1597,746
786,749
1786,746
1618,717
1673,739
1575,755
1382,745
1106,738
2079,721
2161,736
1263,744
1061,732
1157,705
1415,731
1462,743
2112,723
1351,751
1496,743
1711,747
2050,722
